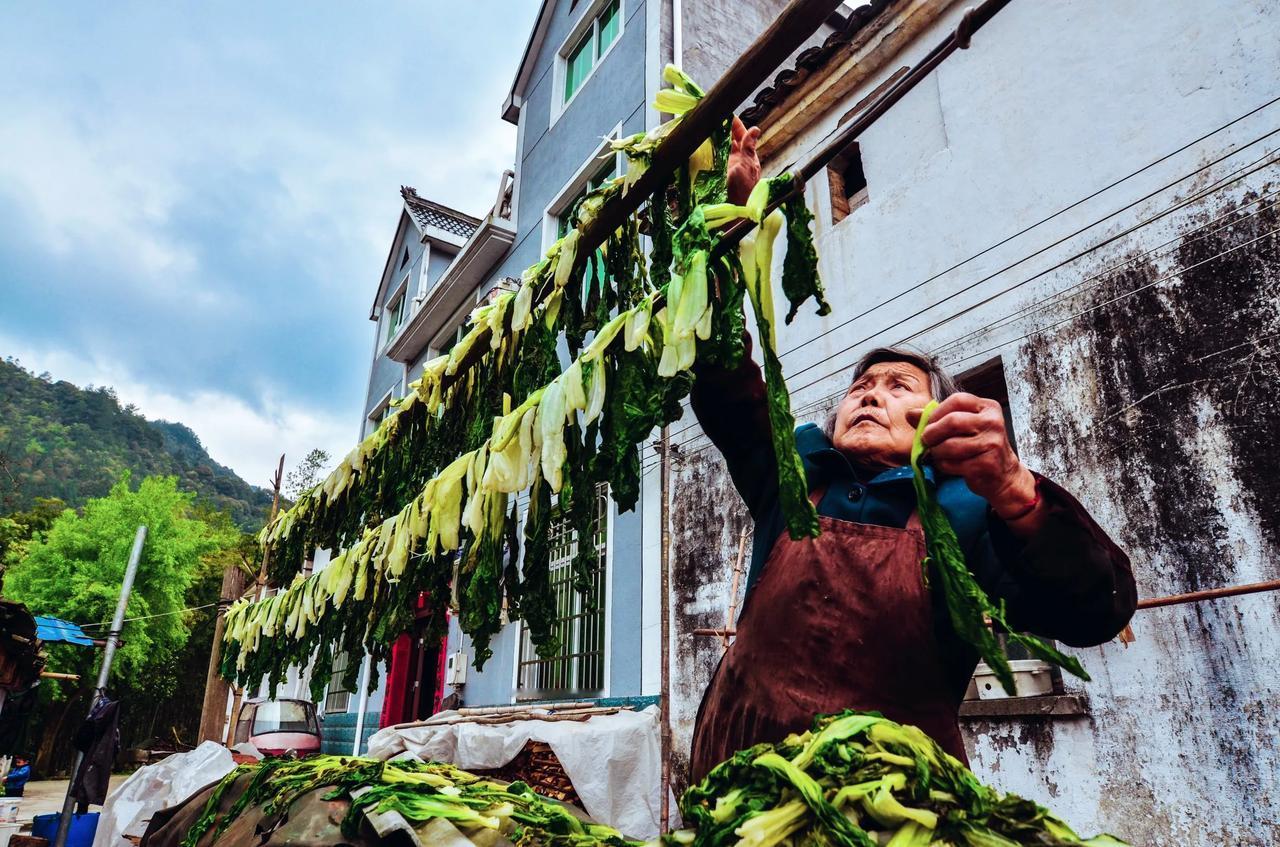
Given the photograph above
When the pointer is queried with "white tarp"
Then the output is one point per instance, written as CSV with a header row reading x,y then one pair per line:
x,y
167,783
614,761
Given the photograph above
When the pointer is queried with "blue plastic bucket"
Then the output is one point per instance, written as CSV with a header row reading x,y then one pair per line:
x,y
82,828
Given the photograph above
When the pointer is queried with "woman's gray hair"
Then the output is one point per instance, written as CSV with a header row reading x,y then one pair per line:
x,y
941,384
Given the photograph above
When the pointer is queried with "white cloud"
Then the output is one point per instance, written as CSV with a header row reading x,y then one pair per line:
x,y
247,440
81,191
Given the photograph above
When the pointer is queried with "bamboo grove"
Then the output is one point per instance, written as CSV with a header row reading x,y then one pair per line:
x,y
428,504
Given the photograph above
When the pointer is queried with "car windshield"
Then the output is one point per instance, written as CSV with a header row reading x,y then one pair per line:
x,y
284,716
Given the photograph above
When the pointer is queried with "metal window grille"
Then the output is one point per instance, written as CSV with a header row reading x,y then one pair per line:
x,y
578,668
337,698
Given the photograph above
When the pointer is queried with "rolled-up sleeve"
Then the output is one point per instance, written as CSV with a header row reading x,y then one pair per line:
x,y
1070,582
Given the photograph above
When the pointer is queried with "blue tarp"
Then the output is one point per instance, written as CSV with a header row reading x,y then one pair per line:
x,y
53,629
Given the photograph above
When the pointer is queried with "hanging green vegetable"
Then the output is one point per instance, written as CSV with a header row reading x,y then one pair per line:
x,y
756,253
800,279
967,604
408,513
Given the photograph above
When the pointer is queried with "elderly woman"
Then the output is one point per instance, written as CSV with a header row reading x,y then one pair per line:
x,y
846,620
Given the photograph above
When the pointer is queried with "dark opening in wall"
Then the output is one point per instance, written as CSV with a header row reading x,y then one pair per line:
x,y
848,183
987,380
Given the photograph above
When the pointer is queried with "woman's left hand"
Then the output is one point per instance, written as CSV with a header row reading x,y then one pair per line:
x,y
966,437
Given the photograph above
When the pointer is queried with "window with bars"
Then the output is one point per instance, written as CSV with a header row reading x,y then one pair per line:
x,y
582,57
579,666
337,696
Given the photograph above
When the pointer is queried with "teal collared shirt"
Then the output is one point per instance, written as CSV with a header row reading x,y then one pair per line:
x,y
884,498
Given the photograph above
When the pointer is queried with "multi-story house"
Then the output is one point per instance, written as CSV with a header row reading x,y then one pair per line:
x,y
589,71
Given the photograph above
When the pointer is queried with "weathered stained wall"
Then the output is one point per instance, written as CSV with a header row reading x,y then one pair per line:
x,y
1142,374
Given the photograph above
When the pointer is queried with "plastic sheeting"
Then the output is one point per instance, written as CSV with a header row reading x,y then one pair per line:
x,y
159,786
614,761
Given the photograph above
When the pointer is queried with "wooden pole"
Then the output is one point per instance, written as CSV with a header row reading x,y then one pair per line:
x,y
1209,594
664,590
213,712
260,586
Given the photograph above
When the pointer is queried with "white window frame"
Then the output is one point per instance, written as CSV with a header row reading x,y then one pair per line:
x,y
424,269
558,206
588,21
607,616
376,414
399,293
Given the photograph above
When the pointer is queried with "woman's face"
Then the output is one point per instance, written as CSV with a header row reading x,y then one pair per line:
x,y
871,422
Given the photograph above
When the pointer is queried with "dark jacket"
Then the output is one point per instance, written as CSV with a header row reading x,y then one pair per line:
x,y
1070,582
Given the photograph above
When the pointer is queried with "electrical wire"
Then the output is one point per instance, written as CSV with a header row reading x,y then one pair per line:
x,y
1038,223
1232,217
1227,179
1218,185
965,289
149,617
1119,297
827,399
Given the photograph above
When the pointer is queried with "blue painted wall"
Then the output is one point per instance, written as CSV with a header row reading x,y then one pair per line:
x,y
338,731
547,161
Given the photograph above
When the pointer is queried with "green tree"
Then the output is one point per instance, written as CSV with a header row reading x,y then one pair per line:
x,y
18,529
308,472
75,570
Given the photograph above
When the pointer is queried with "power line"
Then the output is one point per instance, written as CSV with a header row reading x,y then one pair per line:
x,y
1218,185
1163,278
1040,222
149,617
1105,242
1232,176
1232,217
1119,297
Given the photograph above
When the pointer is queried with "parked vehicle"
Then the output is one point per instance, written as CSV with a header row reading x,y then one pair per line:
x,y
279,727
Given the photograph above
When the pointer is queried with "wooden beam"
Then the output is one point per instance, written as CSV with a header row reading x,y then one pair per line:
x,y
785,35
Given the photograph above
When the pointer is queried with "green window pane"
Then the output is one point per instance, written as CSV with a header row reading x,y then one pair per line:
x,y
577,66
610,23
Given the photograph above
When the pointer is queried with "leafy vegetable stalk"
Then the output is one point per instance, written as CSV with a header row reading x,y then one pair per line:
x,y
967,604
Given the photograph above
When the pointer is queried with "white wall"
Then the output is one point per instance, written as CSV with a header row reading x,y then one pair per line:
x,y
1145,389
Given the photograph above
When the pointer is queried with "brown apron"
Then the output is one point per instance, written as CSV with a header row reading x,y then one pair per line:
x,y
841,621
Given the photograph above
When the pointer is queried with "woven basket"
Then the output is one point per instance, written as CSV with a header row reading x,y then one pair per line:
x,y
538,766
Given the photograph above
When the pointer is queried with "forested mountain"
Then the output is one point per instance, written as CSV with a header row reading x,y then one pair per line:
x,y
59,440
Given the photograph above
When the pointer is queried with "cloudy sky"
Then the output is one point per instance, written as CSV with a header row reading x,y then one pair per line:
x,y
196,199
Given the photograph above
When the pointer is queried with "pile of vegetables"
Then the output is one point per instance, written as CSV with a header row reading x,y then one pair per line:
x,y
968,606
855,780
428,503
445,805
859,780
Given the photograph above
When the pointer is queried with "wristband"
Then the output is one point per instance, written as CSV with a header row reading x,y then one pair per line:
x,y
1025,510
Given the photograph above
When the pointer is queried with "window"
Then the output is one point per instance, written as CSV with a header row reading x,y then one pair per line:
x,y
449,341
578,668
606,173
338,697
405,259
848,183
395,316
563,219
1032,676
586,52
